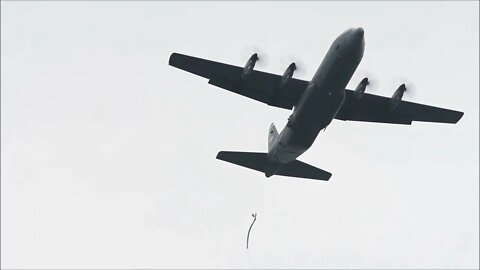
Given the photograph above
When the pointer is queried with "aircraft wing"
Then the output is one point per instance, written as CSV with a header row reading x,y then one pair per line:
x,y
373,108
260,86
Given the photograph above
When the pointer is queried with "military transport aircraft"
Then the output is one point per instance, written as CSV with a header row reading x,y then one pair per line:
x,y
315,103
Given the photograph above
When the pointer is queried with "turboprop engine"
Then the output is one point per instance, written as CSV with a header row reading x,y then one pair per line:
x,y
287,75
360,90
397,96
247,70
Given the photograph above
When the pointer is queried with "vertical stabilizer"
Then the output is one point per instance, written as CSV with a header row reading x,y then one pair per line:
x,y
272,136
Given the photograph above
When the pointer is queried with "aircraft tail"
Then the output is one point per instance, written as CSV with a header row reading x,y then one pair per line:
x,y
272,136
260,162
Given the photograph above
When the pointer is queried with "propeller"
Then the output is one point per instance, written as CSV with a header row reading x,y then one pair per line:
x,y
409,86
372,85
248,51
300,69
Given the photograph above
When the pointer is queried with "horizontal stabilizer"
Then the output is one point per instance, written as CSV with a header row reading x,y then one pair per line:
x,y
297,168
260,162
252,160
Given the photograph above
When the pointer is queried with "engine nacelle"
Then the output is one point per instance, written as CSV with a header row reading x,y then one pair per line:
x,y
247,70
360,90
397,96
287,75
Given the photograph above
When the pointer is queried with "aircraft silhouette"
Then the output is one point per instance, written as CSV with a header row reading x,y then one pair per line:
x,y
315,103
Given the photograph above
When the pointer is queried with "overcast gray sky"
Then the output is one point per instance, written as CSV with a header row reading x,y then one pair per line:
x,y
108,153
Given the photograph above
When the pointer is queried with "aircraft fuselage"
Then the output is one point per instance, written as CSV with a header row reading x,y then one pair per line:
x,y
315,104
321,100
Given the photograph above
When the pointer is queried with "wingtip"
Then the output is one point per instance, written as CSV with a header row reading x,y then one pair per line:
x,y
220,155
172,56
460,116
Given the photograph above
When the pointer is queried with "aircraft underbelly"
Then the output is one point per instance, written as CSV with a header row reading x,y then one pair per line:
x,y
316,114
316,109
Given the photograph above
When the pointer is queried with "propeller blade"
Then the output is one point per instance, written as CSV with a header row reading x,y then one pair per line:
x,y
299,65
247,51
372,81
410,86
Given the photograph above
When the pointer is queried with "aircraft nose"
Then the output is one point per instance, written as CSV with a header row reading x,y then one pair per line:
x,y
357,36
358,42
359,32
